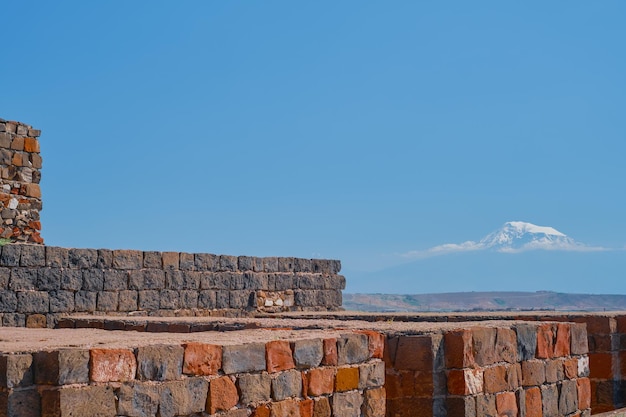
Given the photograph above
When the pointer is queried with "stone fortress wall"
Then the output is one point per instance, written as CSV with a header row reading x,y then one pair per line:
x,y
126,333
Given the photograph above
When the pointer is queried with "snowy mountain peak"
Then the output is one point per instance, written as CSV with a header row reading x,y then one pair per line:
x,y
520,236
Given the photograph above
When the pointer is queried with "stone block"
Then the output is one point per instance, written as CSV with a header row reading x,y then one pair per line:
x,y
61,367
61,301
347,404
93,279
352,349
147,279
346,379
115,280
308,353
550,400
183,398
227,263
169,300
10,255
506,345
284,282
285,408
202,359
554,371
107,301
189,299
484,345
105,259
236,281
85,301
279,356
36,321
33,255
127,300
465,381
206,262
533,373
584,393
170,260
49,279
207,299
241,299
82,258
222,395
563,340
462,407
486,405
33,302
254,388
127,259
321,407
112,365
256,281
13,320
568,397
139,399
374,401
23,279
270,264
152,260
245,263
79,401
506,404
414,353
583,366
222,299
545,341
16,370
214,280
187,261
71,279
330,352
8,301
371,375
149,300
22,403
5,275
319,381
243,358
578,336
458,349
159,362
287,384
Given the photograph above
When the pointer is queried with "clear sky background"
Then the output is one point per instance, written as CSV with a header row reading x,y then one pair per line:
x,y
354,130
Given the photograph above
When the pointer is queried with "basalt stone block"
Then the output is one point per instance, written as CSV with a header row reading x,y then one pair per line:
x,y
33,255
302,265
579,339
328,298
85,301
347,404
61,301
352,349
71,279
16,370
245,263
215,281
305,298
23,279
222,299
188,299
237,281
169,300
139,399
82,258
14,320
93,280
550,402
115,280
107,301
287,384
56,257
187,262
270,264
148,279
152,260
242,299
183,398
159,362
227,263
206,262
243,358
20,403
8,301
10,255
183,280
79,401
255,281
33,302
371,375
49,279
149,300
61,367
284,282
254,388
127,259
5,275
308,353
127,300
568,397
170,260
105,258
207,299
286,264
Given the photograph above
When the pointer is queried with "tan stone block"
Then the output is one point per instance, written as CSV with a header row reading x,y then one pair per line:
x,y
18,143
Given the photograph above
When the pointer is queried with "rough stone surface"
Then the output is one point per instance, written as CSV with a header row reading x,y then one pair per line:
x,y
159,362
308,353
16,370
286,384
347,404
352,348
93,401
222,395
254,388
202,359
243,358
62,367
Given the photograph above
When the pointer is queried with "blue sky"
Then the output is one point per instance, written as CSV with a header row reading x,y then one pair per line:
x,y
354,130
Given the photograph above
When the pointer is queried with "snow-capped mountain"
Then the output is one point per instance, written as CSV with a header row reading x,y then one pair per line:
x,y
521,236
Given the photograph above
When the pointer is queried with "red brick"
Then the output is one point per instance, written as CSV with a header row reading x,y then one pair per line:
x,y
279,356
399,384
601,365
458,349
465,381
532,399
319,381
414,353
306,408
598,324
495,379
570,367
424,384
545,341
506,404
621,324
346,379
261,411
222,395
484,345
584,393
376,343
202,359
112,365
330,352
562,345
534,373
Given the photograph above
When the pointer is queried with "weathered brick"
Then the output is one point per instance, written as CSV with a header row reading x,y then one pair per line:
x,y
16,370
330,352
352,349
79,401
506,404
262,410
279,356
254,388
112,365
465,381
347,404
222,395
533,373
562,343
458,349
371,375
532,402
61,367
159,362
570,368
346,379
243,358
414,353
287,384
308,353
22,403
319,381
484,345
598,324
584,393
127,259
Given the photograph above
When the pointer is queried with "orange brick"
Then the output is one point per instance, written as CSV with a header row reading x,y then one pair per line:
x,y
222,395
279,356
584,393
601,365
506,404
31,145
562,345
202,359
306,408
346,379
330,352
533,402
319,381
458,349
570,367
545,341
465,381
376,343
261,411
112,365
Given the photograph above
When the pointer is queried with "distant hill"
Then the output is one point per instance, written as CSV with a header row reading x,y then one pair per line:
x,y
484,301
